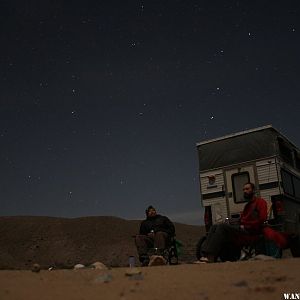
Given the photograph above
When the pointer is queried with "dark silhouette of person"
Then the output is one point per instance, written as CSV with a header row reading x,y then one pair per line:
x,y
155,232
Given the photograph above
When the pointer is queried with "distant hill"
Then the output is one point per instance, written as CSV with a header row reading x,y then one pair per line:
x,y
62,242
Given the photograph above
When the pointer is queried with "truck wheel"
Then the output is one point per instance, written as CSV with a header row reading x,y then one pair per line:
x,y
295,245
199,253
230,253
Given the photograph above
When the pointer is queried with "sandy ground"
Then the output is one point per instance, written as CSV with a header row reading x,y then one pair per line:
x,y
237,280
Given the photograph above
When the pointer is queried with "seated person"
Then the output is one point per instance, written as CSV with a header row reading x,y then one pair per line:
x,y
246,232
155,232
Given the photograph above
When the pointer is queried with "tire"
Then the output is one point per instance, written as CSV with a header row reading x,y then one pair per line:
x,y
230,253
199,253
295,245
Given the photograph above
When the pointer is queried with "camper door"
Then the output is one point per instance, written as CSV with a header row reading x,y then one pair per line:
x,y
235,178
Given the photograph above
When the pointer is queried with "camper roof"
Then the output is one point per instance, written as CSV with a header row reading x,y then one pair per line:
x,y
245,132
235,134
243,146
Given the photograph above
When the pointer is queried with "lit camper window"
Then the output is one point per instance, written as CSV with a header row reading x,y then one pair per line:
x,y
238,181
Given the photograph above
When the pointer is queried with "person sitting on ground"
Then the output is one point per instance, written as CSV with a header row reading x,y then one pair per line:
x,y
155,232
246,232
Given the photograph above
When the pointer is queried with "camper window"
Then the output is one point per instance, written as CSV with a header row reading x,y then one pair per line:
x,y
238,181
287,182
297,159
285,151
296,182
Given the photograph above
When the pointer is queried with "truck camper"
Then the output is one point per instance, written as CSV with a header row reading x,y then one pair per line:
x,y
263,156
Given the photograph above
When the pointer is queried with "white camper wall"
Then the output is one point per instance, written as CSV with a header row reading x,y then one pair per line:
x,y
266,171
219,210
206,188
218,204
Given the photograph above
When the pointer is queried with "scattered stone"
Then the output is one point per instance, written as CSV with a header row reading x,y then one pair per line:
x,y
79,266
122,296
263,257
268,289
276,278
242,283
157,260
136,277
203,296
99,266
36,268
103,278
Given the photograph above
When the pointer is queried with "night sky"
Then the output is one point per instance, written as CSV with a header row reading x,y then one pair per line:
x,y
102,102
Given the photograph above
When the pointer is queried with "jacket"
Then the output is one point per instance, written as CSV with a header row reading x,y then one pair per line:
x,y
254,215
157,223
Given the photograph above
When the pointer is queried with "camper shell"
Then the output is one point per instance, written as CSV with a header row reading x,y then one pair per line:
x,y
263,156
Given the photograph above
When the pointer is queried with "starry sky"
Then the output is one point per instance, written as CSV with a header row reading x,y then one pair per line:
x,y
102,102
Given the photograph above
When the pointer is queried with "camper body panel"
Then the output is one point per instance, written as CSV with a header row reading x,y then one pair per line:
x,y
221,195
262,156
290,187
235,177
212,194
267,171
268,180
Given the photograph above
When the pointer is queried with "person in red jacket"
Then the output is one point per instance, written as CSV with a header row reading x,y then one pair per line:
x,y
250,226
252,219
255,212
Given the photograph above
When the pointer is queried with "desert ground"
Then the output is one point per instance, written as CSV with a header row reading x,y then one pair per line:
x,y
63,243
57,244
229,280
